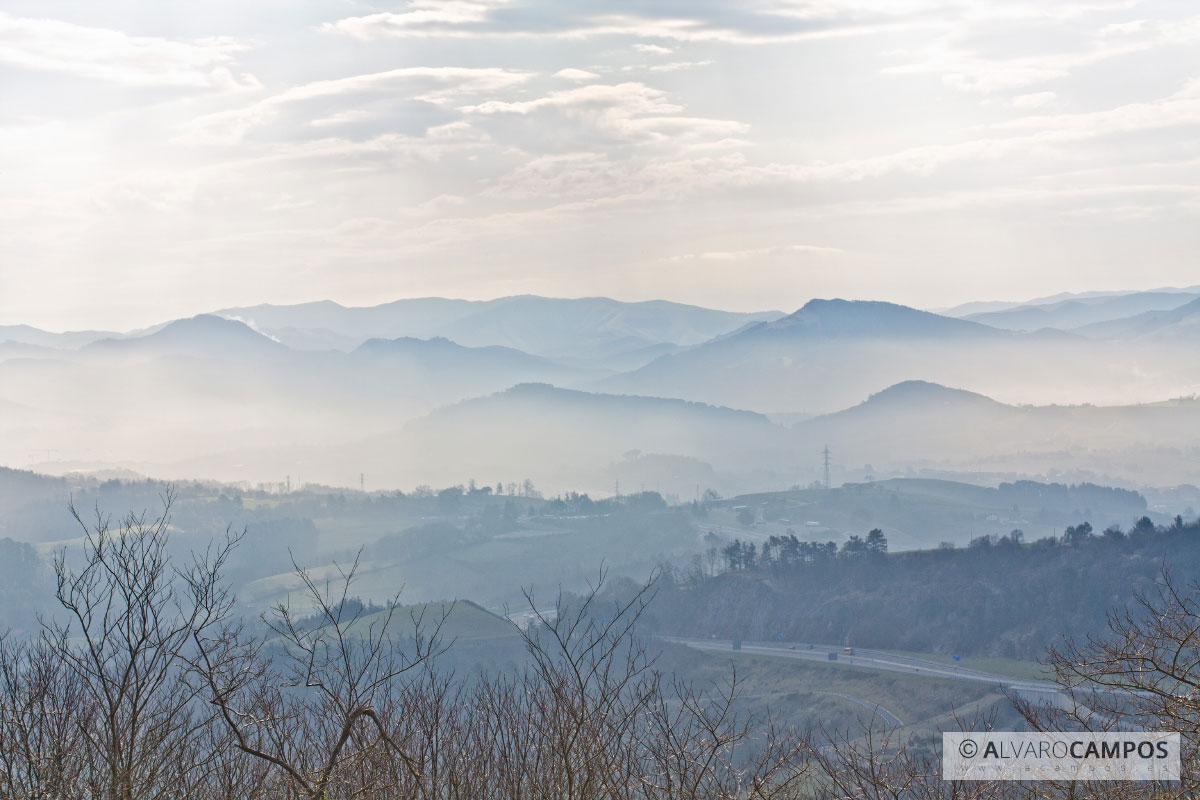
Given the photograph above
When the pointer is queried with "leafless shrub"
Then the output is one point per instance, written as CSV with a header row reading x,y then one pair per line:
x,y
1143,673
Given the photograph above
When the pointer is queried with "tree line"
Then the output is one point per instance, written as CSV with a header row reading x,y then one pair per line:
x,y
787,551
999,596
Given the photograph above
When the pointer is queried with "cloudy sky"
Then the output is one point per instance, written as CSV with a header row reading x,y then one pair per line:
x,y
161,158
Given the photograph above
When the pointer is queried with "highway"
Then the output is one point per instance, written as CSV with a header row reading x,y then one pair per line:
x,y
872,659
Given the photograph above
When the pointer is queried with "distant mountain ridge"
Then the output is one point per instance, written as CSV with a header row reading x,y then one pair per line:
x,y
987,306
921,423
1181,323
580,328
1075,314
466,370
931,395
441,346
523,392
202,335
28,335
830,353
844,319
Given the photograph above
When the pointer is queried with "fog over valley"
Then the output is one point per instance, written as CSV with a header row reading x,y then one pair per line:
x,y
578,394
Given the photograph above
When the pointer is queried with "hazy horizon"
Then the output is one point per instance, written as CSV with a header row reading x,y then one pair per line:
x,y
188,313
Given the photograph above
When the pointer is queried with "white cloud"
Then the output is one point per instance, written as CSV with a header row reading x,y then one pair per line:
x,y
344,117
770,21
624,99
632,111
676,66
476,20
963,68
428,83
110,55
1180,108
572,74
423,18
431,84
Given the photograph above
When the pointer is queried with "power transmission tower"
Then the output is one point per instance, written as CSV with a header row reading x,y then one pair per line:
x,y
825,453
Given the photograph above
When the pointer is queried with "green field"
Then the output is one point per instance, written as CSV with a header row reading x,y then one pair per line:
x,y
464,621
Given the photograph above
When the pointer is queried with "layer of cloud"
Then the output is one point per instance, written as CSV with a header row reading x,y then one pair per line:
x,y
112,56
709,22
955,56
423,18
631,111
434,85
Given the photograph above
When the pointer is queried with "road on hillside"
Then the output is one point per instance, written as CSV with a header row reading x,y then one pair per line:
x,y
872,659
891,719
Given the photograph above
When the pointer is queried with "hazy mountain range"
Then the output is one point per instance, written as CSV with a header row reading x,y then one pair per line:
x,y
571,329
831,353
1085,314
986,306
429,390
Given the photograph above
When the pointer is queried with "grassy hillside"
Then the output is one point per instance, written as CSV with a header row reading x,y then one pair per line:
x,y
461,620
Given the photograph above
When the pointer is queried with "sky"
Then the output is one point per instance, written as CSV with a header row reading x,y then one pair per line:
x,y
160,158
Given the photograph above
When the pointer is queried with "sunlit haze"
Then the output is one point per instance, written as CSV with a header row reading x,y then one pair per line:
x,y
163,159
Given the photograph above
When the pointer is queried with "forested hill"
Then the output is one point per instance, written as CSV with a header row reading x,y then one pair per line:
x,y
998,597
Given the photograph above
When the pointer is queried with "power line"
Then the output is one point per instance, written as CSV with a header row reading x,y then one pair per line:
x,y
825,453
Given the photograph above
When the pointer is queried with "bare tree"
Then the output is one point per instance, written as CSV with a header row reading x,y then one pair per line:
x,y
44,716
869,764
317,697
120,645
1143,673
698,747
595,719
